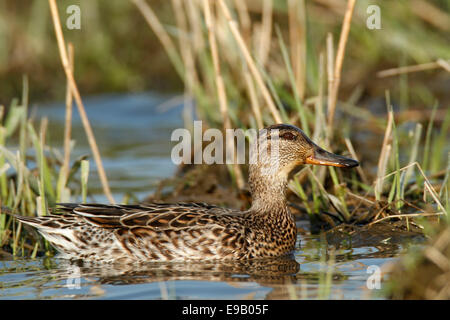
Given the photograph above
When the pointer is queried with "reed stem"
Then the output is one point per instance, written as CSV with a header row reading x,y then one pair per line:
x,y
339,61
76,94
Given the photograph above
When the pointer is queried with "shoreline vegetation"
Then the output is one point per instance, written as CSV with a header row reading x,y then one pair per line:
x,y
246,65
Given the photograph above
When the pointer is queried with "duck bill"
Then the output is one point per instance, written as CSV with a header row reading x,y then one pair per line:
x,y
325,158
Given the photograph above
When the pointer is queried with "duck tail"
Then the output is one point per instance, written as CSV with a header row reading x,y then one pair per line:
x,y
32,221
36,222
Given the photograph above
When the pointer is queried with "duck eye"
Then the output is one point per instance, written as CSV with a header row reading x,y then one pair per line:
x,y
288,136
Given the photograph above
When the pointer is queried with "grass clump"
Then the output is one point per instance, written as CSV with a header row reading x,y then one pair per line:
x,y
30,169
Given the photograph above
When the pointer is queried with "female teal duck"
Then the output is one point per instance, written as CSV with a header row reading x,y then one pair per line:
x,y
194,231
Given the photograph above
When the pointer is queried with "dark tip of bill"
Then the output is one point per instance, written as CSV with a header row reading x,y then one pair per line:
x,y
349,163
332,159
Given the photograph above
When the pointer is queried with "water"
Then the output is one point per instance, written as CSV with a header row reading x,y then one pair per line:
x,y
133,133
301,276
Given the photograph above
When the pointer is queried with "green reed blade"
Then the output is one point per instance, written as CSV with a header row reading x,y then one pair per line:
x,y
84,179
287,62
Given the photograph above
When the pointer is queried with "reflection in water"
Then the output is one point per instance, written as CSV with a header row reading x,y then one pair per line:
x,y
316,270
74,279
264,271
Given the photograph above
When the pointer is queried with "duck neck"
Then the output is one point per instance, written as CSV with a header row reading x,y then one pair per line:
x,y
268,192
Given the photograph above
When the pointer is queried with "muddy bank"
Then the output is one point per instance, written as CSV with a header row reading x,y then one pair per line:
x,y
202,183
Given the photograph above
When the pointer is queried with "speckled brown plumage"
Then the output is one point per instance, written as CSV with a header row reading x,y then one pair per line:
x,y
191,231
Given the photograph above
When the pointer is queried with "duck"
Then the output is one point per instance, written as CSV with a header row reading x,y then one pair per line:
x,y
152,232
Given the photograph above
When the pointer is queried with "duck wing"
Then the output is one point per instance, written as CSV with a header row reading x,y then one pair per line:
x,y
157,216
146,232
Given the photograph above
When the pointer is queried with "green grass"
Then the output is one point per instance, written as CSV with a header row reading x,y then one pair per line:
x,y
28,177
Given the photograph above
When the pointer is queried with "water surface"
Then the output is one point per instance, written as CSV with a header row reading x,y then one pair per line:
x,y
306,274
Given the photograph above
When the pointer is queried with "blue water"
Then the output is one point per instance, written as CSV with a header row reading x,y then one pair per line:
x,y
133,135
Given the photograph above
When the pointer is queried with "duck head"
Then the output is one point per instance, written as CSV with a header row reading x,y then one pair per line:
x,y
279,150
